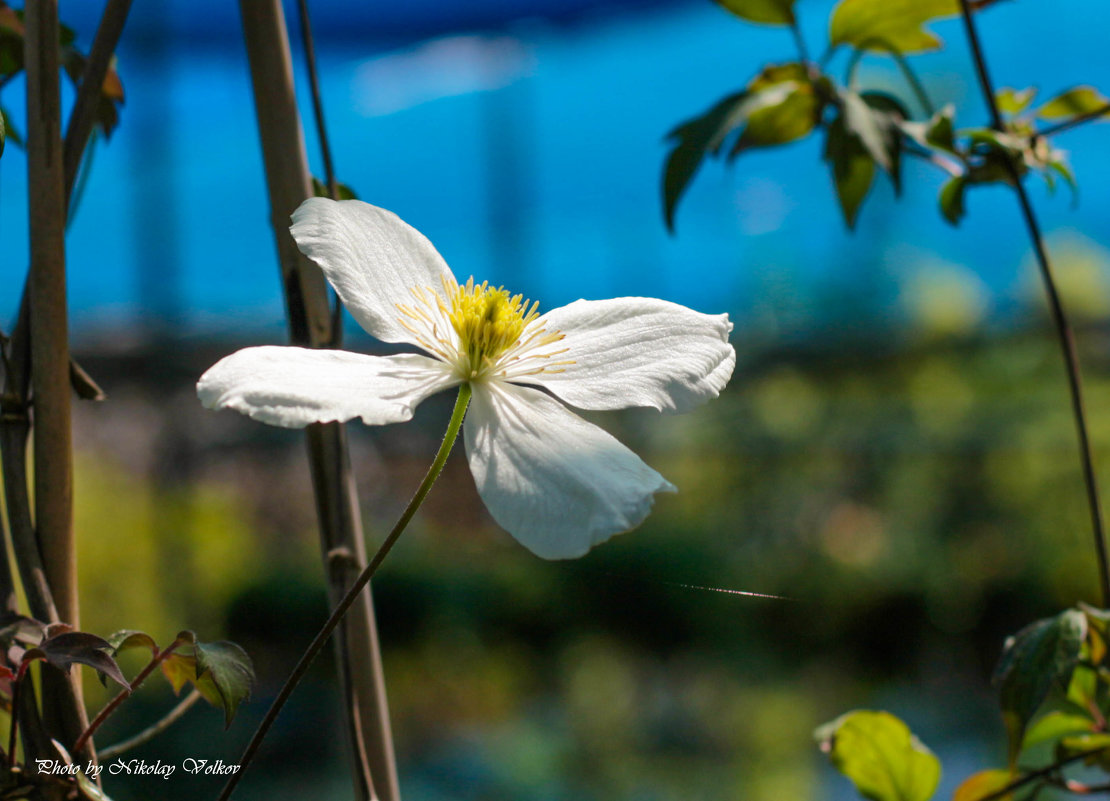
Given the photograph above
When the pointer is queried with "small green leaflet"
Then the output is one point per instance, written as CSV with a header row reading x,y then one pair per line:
x,y
1073,103
772,12
892,25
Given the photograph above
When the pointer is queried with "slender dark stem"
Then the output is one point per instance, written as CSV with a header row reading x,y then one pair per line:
x,y
1041,773
317,101
1059,317
17,684
1075,122
799,41
363,579
123,695
83,116
152,731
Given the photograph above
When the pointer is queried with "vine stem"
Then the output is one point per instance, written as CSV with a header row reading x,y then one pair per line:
x,y
348,599
1074,122
1059,317
1041,773
152,731
317,100
110,707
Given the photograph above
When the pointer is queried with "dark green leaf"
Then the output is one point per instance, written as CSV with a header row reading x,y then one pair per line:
x,y
952,199
881,756
1073,103
221,672
1051,727
11,133
938,131
1040,657
875,129
853,169
693,140
77,646
1011,101
775,12
889,24
229,669
320,189
778,115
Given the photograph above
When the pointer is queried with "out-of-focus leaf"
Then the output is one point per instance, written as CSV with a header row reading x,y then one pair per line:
x,y
77,646
774,12
952,199
1054,725
320,189
785,113
1096,744
889,24
3,134
693,142
1072,103
11,133
853,170
982,784
129,638
1041,656
704,135
880,755
1011,101
19,628
874,129
936,132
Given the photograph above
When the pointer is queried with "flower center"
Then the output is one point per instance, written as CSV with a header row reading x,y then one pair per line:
x,y
488,321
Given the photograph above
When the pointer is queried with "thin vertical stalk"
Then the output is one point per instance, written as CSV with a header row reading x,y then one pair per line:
x,y
63,708
1059,318
311,325
317,99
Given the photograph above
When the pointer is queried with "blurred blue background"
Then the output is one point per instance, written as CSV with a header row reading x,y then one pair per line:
x,y
895,450
526,140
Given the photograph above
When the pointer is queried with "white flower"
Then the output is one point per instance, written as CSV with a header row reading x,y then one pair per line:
x,y
556,482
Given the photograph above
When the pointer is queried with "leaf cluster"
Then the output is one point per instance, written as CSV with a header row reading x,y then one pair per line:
x,y
867,132
73,61
1053,682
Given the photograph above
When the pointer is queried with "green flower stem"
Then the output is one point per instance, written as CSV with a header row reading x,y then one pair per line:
x,y
363,579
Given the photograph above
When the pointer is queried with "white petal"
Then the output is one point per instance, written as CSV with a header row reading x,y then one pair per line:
x,y
372,258
638,352
292,387
558,484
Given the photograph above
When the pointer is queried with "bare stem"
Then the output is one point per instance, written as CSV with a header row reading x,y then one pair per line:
x,y
1074,122
337,614
317,100
1059,317
1041,773
83,116
152,731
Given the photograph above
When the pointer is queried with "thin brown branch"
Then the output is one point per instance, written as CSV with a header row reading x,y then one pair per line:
x,y
317,100
1059,317
1075,122
152,731
310,322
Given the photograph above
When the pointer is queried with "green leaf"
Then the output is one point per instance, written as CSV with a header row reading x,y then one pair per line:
x,y
129,638
889,24
873,120
952,199
982,784
694,138
705,135
1054,725
320,189
778,115
230,671
221,672
774,12
853,169
1040,657
11,133
881,756
1011,101
69,647
1073,103
1082,743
